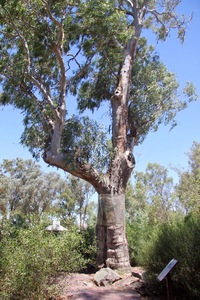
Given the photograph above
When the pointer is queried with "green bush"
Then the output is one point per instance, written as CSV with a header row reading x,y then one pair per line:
x,y
30,257
89,247
182,242
139,235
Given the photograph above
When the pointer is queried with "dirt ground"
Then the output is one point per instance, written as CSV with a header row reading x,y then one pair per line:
x,y
81,286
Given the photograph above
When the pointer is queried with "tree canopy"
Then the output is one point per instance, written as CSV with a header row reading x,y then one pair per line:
x,y
51,50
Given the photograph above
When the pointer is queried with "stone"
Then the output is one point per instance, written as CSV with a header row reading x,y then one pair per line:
x,y
126,282
138,275
105,277
89,284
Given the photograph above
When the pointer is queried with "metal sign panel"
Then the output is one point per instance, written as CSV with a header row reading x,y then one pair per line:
x,y
167,269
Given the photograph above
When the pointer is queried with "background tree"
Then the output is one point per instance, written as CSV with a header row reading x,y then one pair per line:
x,y
95,51
151,204
74,202
188,187
152,193
135,198
26,190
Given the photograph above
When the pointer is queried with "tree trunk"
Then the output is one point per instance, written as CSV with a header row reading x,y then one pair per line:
x,y
112,246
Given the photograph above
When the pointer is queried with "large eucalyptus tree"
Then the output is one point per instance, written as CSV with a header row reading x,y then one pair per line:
x,y
56,52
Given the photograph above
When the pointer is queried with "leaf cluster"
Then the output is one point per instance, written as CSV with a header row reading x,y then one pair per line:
x,y
162,18
155,95
84,140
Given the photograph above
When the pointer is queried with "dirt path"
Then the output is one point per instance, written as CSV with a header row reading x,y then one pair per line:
x,y
105,295
82,287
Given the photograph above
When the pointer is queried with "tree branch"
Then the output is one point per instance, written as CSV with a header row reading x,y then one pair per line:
x,y
80,73
110,66
84,170
58,50
59,24
25,44
177,23
62,105
45,94
73,57
28,71
38,104
117,43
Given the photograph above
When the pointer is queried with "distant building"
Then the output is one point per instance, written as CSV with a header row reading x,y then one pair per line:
x,y
56,227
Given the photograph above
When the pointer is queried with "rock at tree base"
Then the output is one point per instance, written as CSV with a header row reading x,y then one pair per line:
x,y
126,282
138,274
106,276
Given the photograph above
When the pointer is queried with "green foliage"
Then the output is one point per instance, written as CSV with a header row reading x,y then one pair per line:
x,y
81,143
150,202
26,190
163,24
152,192
74,203
188,188
88,247
27,195
154,99
31,257
158,229
139,236
49,48
180,241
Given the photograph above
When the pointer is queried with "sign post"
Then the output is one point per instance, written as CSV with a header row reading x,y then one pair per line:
x,y
165,274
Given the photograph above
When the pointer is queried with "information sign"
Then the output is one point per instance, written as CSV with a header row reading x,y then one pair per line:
x,y
167,269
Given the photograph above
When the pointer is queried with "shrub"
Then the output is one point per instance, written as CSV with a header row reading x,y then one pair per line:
x,y
89,249
182,242
139,235
30,257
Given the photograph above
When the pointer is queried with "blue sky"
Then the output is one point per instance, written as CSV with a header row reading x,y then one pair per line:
x,y
164,147
171,147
